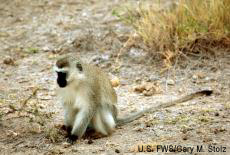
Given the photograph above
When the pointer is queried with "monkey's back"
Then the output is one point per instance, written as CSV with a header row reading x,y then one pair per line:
x,y
101,84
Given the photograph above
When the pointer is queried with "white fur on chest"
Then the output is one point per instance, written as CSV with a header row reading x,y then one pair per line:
x,y
74,99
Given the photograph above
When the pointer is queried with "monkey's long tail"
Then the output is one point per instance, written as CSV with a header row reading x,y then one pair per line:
x,y
136,115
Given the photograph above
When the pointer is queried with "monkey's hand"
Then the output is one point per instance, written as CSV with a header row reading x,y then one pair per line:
x,y
71,139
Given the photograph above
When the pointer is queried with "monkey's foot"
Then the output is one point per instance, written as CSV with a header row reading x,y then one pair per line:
x,y
71,139
67,129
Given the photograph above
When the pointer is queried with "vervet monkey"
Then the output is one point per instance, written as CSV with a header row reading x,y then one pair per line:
x,y
89,100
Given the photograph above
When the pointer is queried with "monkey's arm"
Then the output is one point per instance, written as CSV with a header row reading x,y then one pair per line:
x,y
136,115
82,120
69,116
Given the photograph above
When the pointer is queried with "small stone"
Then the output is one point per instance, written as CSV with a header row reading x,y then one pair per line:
x,y
194,77
74,149
215,131
147,88
207,79
170,82
51,56
139,129
115,82
8,61
222,129
207,139
185,137
217,114
117,151
139,88
66,144
148,93
214,142
90,141
138,79
11,133
200,75
46,49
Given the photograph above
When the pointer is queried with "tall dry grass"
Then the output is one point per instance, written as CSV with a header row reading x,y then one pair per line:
x,y
188,26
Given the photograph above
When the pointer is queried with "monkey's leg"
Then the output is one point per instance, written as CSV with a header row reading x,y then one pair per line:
x,y
82,120
104,121
108,120
98,124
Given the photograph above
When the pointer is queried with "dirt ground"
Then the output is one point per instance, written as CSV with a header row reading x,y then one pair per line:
x,y
34,33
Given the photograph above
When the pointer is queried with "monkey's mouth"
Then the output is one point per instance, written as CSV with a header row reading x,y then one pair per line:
x,y
61,79
62,83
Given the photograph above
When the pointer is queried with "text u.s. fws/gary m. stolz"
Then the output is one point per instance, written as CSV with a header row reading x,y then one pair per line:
x,y
180,148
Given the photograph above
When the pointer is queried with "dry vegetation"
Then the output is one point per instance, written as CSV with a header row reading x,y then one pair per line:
x,y
183,27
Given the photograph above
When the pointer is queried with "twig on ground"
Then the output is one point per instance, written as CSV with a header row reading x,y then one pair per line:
x,y
34,92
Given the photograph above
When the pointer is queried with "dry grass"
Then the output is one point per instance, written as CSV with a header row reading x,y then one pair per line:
x,y
184,27
54,134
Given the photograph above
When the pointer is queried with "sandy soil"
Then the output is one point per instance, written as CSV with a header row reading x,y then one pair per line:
x,y
34,33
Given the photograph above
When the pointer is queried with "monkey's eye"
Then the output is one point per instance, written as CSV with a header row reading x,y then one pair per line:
x,y
79,66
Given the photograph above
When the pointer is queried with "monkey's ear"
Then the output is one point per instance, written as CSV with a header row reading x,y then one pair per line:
x,y
79,66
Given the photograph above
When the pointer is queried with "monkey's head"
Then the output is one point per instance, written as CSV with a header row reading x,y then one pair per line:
x,y
68,69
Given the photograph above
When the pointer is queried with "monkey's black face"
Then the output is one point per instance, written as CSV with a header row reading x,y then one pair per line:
x,y
61,79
